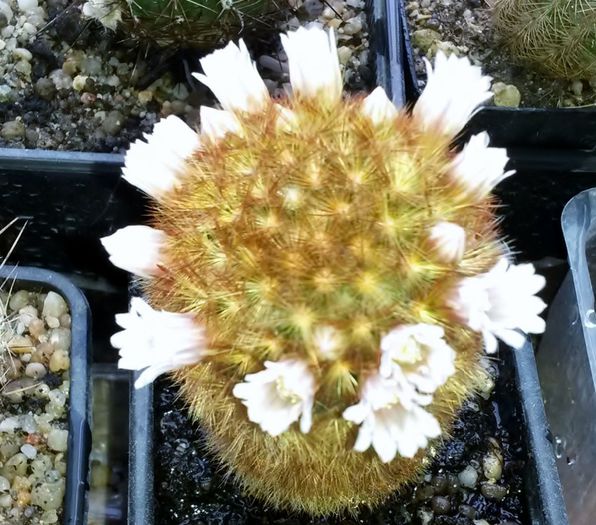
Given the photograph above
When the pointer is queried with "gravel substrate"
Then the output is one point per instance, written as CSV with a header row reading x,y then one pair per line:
x,y
475,478
34,384
465,27
71,84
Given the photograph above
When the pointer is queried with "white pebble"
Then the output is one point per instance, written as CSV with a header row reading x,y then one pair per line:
x,y
6,10
492,465
58,440
30,27
4,484
21,53
78,84
18,300
29,451
51,321
28,423
35,370
60,338
26,5
6,500
9,425
61,80
54,305
468,477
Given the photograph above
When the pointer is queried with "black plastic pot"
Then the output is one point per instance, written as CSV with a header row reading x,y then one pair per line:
x,y
36,279
552,130
70,200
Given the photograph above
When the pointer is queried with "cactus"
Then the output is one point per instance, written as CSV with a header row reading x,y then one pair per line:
x,y
557,36
321,272
202,24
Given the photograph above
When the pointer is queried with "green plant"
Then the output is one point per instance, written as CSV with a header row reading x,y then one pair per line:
x,y
321,273
557,36
191,23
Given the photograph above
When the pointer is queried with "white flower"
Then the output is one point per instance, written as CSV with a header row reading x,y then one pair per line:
x,y
391,419
279,395
156,341
105,11
136,249
313,63
216,123
378,107
419,354
448,240
501,302
154,166
453,91
478,168
233,77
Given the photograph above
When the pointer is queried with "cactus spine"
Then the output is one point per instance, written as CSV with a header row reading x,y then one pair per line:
x,y
558,36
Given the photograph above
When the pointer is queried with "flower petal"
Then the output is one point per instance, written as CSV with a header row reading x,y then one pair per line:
x,y
136,249
390,419
233,77
448,240
216,123
500,302
453,91
478,168
157,341
278,396
313,64
155,166
378,107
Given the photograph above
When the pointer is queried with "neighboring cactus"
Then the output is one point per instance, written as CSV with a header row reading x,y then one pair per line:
x,y
203,24
557,36
337,266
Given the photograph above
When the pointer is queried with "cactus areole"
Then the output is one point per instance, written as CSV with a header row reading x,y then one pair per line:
x,y
323,273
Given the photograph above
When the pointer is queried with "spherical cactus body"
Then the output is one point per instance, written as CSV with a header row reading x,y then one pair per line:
x,y
322,274
205,24
556,36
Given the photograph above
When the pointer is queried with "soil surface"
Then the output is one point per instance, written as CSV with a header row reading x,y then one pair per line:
x,y
34,387
475,478
71,84
466,28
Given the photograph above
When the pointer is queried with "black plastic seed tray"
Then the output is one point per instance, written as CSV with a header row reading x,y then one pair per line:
x,y
552,130
79,440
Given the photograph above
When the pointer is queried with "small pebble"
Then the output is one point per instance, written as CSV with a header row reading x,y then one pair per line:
x,y
112,122
492,465
52,322
577,86
16,390
59,361
27,5
492,491
58,439
29,451
20,53
54,305
440,505
467,511
4,484
35,370
468,477
506,95
45,88
12,129
60,338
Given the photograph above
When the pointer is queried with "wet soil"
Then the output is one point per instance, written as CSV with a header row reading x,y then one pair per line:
x,y
191,490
